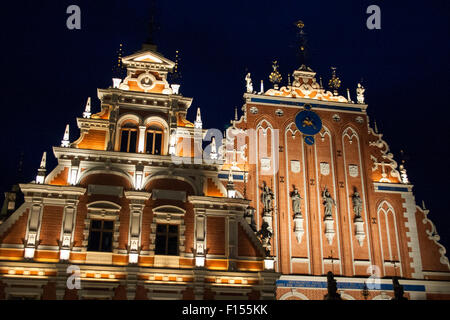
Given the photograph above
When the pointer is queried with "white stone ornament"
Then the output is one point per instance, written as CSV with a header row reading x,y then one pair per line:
x,y
298,231
329,229
265,163
324,168
353,170
87,110
295,166
359,230
65,141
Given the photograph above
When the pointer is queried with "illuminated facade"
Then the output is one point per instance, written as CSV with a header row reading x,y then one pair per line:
x,y
139,207
125,215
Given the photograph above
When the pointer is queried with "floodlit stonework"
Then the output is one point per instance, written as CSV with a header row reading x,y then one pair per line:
x,y
145,210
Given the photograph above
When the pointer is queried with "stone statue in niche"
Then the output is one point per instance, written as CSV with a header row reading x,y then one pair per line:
x,y
249,84
357,204
267,198
296,202
328,202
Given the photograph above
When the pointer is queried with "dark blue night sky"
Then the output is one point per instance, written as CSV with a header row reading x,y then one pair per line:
x,y
49,71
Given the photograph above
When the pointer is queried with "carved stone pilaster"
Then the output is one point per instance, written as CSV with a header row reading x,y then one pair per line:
x,y
329,229
137,204
298,227
359,230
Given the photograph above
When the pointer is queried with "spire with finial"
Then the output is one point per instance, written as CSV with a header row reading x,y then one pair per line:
x,y
213,153
262,87
235,114
150,43
87,109
275,76
65,141
375,125
42,171
118,69
302,43
334,82
176,74
198,120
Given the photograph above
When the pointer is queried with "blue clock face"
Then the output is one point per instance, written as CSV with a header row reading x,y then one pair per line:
x,y
308,122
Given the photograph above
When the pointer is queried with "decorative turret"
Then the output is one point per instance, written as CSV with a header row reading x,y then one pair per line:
x,y
87,109
198,120
42,170
65,141
213,153
231,192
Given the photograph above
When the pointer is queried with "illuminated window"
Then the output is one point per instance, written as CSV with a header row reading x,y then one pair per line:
x,y
128,138
101,235
153,140
166,239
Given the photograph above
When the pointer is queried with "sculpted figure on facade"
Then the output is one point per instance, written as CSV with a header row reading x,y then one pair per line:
x,y
357,204
267,198
296,202
328,202
249,83
360,93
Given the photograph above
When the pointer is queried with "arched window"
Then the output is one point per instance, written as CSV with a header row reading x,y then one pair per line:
x,y
128,138
153,140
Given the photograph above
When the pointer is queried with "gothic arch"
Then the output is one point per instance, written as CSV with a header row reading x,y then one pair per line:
x,y
385,208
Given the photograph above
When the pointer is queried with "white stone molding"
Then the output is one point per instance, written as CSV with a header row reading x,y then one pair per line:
x,y
295,294
137,204
411,225
434,236
34,224
67,228
200,225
